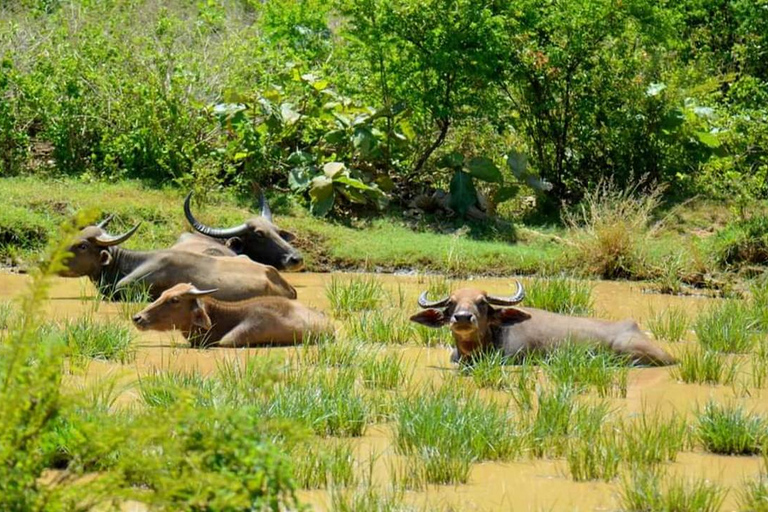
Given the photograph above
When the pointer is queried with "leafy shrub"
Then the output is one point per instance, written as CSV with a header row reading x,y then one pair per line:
x,y
742,242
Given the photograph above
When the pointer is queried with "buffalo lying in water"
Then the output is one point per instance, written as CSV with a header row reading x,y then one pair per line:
x,y
477,325
205,321
257,238
96,254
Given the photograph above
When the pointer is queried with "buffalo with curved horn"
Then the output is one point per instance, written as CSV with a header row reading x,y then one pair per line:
x,y
257,238
477,325
96,254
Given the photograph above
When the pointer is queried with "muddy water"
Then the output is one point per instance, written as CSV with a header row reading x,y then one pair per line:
x,y
523,485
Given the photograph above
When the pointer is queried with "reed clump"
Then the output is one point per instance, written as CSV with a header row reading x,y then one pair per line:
x,y
353,295
670,324
729,430
728,327
699,366
651,489
561,295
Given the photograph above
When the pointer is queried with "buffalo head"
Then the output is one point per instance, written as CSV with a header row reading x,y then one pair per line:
x,y
471,314
178,307
91,250
258,238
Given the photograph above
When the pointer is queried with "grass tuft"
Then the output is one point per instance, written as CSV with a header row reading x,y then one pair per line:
x,y
595,457
355,294
729,327
385,371
729,430
6,314
581,367
753,496
380,327
697,366
651,439
647,490
560,295
88,339
610,229
669,325
320,466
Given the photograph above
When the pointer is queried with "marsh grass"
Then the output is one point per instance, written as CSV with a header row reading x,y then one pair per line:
x,y
728,430
758,303
438,286
369,498
326,401
728,327
582,367
448,429
134,298
560,295
651,439
385,371
428,337
753,496
595,457
611,228
380,327
670,324
165,387
320,466
6,314
488,370
86,339
550,423
327,351
354,294
430,466
698,366
242,382
647,490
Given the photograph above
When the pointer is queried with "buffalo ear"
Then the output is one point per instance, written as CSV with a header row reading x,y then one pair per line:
x,y
235,243
287,235
200,318
430,317
508,316
105,258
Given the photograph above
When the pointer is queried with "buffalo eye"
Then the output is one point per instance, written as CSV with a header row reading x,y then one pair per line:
x,y
174,300
259,233
82,247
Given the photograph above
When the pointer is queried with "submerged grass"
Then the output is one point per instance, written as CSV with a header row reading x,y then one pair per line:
x,y
582,366
380,327
753,497
728,327
354,294
651,490
384,371
651,439
670,324
727,429
560,295
697,366
595,457
449,429
319,466
89,339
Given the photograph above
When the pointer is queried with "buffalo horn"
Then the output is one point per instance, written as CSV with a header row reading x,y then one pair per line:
x,y
265,211
508,301
207,230
199,293
103,224
424,303
106,240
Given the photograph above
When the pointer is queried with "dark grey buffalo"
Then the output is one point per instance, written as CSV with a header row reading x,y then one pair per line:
x,y
95,254
477,325
257,238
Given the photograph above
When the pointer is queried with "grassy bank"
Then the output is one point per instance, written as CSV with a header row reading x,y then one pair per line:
x,y
680,251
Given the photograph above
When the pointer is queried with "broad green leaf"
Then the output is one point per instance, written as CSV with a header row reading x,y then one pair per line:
x,y
352,194
336,136
299,179
708,139
363,140
484,169
352,182
672,120
333,169
321,196
290,116
300,158
505,193
320,85
451,161
463,193
655,89
517,163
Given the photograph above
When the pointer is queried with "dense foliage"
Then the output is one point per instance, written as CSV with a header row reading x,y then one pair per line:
x,y
354,102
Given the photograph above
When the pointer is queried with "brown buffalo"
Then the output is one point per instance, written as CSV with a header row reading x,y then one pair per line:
x,y
96,254
477,325
206,321
257,238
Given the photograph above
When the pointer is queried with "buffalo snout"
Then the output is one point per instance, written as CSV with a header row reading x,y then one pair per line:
x,y
294,262
140,321
463,319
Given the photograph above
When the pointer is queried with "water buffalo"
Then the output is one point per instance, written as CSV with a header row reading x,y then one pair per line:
x,y
206,321
257,238
476,325
96,254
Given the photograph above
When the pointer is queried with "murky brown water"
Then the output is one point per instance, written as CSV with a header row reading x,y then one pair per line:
x,y
524,485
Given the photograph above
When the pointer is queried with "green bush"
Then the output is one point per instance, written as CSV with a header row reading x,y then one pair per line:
x,y
744,242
